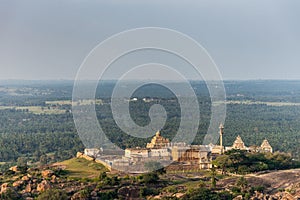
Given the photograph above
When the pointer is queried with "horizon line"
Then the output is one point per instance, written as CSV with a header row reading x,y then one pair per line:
x,y
171,80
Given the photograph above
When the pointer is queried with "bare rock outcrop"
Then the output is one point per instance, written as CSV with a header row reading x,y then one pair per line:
x,y
129,192
18,183
14,169
44,185
47,173
28,188
4,188
25,178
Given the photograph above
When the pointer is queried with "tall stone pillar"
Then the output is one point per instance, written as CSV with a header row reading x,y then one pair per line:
x,y
221,137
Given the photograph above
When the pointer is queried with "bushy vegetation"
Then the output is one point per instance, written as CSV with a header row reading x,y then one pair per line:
x,y
53,194
242,162
105,180
207,194
151,177
10,194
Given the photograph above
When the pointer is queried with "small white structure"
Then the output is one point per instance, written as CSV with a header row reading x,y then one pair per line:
x,y
93,152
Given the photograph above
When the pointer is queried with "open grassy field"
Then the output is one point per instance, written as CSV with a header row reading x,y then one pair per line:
x,y
69,102
82,168
266,103
35,109
247,102
52,106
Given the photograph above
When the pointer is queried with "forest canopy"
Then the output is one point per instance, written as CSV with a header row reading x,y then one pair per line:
x,y
50,136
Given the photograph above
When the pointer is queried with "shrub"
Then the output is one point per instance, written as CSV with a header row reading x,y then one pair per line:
x,y
53,194
145,191
150,178
203,194
259,188
84,193
108,195
10,194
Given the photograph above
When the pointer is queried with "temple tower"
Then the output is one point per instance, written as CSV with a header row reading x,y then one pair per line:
x,y
266,147
239,144
158,141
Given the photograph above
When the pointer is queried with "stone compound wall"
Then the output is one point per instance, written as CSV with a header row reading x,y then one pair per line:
x,y
81,155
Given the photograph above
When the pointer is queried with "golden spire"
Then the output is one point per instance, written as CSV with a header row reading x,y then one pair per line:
x,y
157,133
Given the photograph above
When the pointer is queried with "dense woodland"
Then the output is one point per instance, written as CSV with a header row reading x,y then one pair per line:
x,y
52,137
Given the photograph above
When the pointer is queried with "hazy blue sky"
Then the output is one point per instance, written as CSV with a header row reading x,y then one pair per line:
x,y
255,39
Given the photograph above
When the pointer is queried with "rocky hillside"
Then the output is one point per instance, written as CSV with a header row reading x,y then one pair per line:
x,y
282,184
79,178
74,178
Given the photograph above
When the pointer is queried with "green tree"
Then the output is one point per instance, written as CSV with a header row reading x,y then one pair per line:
x,y
213,174
242,183
151,177
222,162
22,162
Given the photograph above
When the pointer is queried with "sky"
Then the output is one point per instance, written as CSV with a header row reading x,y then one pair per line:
x,y
253,39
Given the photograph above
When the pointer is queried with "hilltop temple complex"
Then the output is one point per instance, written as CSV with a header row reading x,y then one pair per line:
x,y
177,154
